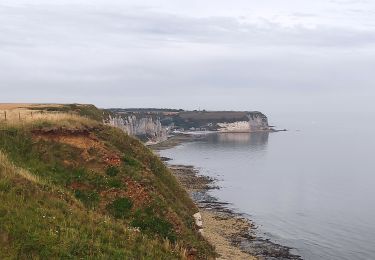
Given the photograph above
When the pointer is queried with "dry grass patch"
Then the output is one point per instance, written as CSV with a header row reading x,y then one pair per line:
x,y
10,106
39,115
9,170
23,117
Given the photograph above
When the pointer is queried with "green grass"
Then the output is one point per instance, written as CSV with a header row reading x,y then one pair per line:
x,y
148,222
41,221
115,183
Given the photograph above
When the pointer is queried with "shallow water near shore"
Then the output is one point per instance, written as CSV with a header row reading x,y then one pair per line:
x,y
310,189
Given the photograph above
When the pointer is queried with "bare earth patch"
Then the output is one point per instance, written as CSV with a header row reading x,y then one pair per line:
x,y
85,142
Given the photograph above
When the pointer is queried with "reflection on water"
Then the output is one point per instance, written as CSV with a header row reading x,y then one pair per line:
x,y
240,139
312,191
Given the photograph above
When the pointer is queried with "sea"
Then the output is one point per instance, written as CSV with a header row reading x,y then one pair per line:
x,y
311,188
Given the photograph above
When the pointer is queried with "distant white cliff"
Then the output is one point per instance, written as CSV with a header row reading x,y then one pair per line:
x,y
256,122
153,125
145,127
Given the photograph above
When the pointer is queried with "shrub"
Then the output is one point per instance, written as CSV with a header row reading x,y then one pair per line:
x,y
120,208
113,183
128,160
112,171
148,222
89,198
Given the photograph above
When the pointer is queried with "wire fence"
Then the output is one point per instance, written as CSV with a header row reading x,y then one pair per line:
x,y
12,115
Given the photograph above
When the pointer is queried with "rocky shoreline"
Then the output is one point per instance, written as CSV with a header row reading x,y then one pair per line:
x,y
232,234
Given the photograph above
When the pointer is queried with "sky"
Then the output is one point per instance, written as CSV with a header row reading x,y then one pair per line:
x,y
271,55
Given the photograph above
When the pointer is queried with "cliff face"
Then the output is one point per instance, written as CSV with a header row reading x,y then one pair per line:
x,y
224,121
153,125
258,122
145,127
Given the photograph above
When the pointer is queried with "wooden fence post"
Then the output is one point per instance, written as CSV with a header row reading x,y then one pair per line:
x,y
5,114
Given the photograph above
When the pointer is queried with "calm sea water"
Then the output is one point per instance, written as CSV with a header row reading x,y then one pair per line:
x,y
311,188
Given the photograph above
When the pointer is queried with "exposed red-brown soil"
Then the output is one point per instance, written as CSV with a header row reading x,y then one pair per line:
x,y
79,186
83,140
114,160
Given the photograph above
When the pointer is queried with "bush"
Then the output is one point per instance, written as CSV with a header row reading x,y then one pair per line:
x,y
89,198
148,222
120,208
112,171
128,160
113,183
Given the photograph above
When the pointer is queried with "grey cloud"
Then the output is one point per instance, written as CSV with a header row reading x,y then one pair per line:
x,y
35,26
301,14
349,2
126,56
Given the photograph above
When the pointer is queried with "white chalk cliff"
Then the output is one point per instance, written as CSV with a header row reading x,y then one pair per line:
x,y
256,122
144,126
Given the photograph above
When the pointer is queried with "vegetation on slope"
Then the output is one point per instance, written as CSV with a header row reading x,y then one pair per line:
x,y
40,220
89,188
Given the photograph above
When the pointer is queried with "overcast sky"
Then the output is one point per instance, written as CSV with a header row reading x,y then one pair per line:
x,y
269,55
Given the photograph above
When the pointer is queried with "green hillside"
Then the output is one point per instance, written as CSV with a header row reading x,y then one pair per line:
x,y
71,187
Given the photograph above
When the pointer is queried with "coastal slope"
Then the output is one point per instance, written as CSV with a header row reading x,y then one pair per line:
x,y
73,187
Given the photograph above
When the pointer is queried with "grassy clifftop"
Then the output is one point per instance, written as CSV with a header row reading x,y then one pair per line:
x,y
72,187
